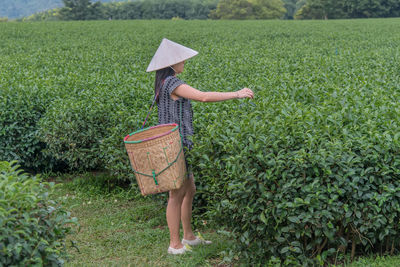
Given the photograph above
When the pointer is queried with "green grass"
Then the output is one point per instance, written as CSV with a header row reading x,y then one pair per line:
x,y
118,228
377,261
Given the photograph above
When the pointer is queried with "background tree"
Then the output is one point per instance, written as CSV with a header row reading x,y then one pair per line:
x,y
144,9
81,10
48,15
129,10
313,9
340,9
373,8
268,9
160,9
249,9
292,6
233,9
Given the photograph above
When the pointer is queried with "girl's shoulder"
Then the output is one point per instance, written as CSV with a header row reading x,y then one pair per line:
x,y
171,82
171,79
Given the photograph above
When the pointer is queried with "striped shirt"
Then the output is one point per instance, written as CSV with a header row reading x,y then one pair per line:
x,y
179,111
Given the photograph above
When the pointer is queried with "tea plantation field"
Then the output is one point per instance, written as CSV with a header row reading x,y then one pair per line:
x,y
306,171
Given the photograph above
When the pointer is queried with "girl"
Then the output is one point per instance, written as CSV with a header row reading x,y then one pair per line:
x,y
173,99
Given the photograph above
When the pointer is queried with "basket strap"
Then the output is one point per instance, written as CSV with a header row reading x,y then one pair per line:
x,y
154,174
151,107
180,117
154,177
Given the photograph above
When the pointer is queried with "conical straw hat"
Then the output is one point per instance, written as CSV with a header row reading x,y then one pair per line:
x,y
168,54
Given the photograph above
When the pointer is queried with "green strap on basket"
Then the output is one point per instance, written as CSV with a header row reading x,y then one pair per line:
x,y
154,177
154,174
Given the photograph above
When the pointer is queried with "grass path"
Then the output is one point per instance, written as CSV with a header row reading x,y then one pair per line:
x,y
117,229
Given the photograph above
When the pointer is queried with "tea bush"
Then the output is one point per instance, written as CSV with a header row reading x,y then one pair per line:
x,y
20,112
33,227
77,130
73,130
326,195
18,119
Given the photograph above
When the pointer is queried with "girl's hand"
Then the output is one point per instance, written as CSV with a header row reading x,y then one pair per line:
x,y
245,92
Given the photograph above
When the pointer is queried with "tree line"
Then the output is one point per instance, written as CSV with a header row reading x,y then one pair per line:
x,y
343,9
222,9
140,9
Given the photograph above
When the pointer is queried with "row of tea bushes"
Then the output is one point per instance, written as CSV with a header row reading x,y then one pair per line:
x,y
62,98
307,169
294,191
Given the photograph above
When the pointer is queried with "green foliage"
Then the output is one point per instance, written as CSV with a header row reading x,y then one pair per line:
x,y
268,9
33,227
74,128
292,6
129,230
48,15
20,111
322,9
80,10
146,9
195,9
333,9
312,158
236,9
309,169
84,129
249,9
157,9
373,9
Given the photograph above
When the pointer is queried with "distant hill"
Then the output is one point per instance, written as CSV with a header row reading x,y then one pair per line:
x,y
13,9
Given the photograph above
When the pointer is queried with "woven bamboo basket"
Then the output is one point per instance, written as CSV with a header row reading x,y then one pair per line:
x,y
156,156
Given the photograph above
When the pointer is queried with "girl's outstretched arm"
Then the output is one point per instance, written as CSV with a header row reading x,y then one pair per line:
x,y
189,92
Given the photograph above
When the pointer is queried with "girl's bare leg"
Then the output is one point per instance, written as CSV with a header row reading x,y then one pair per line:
x,y
186,209
174,216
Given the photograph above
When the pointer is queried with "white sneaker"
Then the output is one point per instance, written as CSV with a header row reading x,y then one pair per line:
x,y
199,240
177,251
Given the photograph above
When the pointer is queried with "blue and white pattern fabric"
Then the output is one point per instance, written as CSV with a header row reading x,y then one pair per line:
x,y
176,111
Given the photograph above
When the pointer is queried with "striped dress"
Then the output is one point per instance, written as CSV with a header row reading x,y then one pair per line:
x,y
179,111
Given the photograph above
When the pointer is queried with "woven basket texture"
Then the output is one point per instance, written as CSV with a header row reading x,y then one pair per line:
x,y
156,155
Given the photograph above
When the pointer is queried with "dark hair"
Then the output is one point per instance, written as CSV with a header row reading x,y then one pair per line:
x,y
160,77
